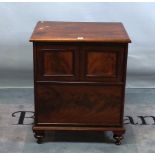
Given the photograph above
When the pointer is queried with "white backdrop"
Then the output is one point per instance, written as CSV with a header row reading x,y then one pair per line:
x,y
17,21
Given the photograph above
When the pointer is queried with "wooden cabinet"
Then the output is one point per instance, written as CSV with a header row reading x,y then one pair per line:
x,y
79,77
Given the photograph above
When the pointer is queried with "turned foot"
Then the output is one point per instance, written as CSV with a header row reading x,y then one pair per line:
x,y
39,136
118,136
118,139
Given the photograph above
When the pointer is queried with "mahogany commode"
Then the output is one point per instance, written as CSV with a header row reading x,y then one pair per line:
x,y
79,77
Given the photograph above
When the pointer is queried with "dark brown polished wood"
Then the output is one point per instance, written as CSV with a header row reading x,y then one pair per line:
x,y
79,77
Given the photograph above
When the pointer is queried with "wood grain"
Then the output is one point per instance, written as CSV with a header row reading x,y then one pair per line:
x,y
48,31
58,62
78,104
101,64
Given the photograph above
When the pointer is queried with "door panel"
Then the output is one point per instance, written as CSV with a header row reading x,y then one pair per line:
x,y
103,63
57,63
72,103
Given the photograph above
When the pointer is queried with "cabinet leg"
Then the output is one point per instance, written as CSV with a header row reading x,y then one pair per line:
x,y
118,136
39,136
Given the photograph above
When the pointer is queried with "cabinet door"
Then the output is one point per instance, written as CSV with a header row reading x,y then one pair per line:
x,y
57,63
77,103
103,63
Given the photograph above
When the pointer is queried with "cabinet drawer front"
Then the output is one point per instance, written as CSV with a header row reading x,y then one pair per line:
x,y
105,63
57,63
84,104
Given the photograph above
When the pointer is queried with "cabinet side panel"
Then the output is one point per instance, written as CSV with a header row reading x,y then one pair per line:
x,y
124,81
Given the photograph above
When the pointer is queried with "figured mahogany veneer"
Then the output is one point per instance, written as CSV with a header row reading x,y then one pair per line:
x,y
91,104
101,64
79,76
53,67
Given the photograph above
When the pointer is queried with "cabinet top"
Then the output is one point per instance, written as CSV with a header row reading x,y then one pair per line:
x,y
51,31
